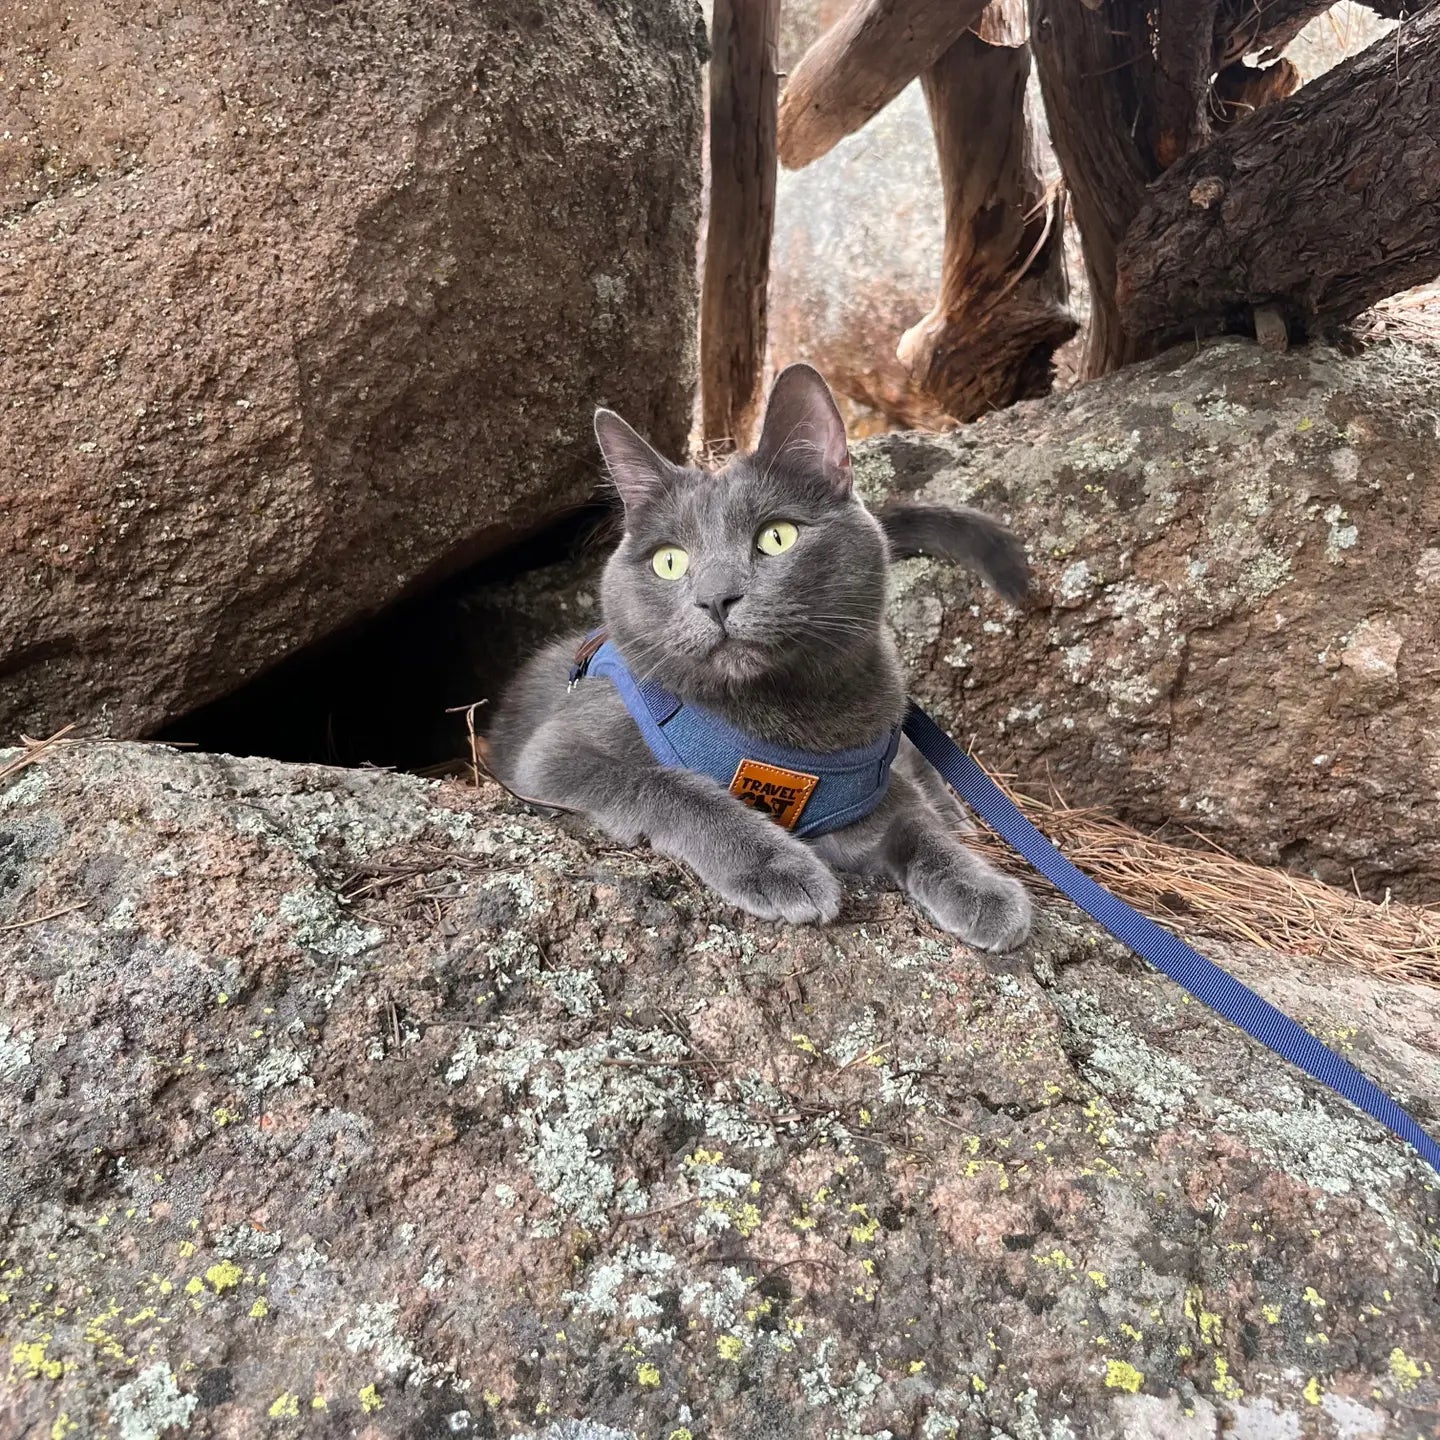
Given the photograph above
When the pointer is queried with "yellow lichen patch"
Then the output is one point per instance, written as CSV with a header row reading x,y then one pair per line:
x,y
1312,1297
259,1310
974,1167
1056,1259
745,1218
187,1249
865,1232
731,1347
704,1157
97,1335
1313,1391
805,1043
370,1400
978,1385
681,1433
1097,1278
30,1359
1404,1369
63,1426
1207,1320
286,1407
1121,1375
319,1402
648,1375
916,1366
1224,1383
1271,1314
224,1276
1132,1332
194,1285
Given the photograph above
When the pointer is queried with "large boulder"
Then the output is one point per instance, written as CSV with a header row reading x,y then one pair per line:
x,y
345,1103
307,304
1237,559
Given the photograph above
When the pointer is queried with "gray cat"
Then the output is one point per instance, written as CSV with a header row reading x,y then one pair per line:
x,y
753,601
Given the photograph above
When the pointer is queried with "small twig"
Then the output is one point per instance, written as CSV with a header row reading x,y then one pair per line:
x,y
33,751
658,1210
481,768
638,1062
49,915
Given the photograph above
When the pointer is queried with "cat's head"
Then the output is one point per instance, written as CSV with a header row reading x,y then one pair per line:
x,y
768,568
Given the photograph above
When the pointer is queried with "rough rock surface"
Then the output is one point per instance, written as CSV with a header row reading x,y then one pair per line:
x,y
350,1104
304,303
1238,566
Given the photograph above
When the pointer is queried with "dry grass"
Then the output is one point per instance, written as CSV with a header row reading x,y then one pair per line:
x,y
1203,889
33,750
1413,315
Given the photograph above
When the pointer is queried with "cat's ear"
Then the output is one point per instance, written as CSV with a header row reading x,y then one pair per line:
x,y
638,472
803,429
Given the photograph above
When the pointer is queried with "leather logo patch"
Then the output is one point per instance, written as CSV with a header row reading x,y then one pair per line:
x,y
780,794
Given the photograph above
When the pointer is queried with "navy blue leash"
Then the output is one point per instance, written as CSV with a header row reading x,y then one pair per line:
x,y
1206,981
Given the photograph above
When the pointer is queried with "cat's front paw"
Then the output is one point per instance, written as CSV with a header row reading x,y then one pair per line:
x,y
992,912
795,886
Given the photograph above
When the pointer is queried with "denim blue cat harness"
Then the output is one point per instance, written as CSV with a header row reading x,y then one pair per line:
x,y
849,784
810,793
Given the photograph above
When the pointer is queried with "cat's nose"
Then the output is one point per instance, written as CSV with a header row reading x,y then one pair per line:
x,y
719,606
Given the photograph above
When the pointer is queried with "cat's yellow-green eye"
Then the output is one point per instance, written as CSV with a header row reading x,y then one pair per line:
x,y
670,562
777,537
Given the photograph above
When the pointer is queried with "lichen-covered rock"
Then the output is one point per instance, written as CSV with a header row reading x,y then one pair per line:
x,y
307,303
343,1103
1238,564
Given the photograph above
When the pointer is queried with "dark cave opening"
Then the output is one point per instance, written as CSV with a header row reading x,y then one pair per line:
x,y
385,690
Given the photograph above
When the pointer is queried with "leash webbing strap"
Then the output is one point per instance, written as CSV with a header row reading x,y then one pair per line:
x,y
1206,981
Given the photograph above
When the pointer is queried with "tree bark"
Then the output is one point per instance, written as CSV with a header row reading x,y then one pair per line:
x,y
861,64
1184,56
1001,311
743,92
1321,204
1240,89
1093,67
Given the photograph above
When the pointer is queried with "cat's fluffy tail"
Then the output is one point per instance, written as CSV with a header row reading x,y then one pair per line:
x,y
957,533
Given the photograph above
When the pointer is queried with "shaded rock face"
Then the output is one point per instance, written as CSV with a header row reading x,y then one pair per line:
x,y
1238,567
306,303
352,1104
